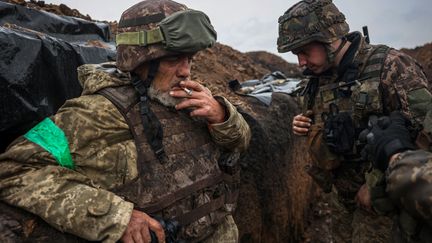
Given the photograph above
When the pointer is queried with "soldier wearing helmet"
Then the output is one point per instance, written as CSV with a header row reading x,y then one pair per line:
x,y
350,82
144,153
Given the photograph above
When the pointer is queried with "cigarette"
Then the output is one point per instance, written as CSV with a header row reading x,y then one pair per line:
x,y
188,91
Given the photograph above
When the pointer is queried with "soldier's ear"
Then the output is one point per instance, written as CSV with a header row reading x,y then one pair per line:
x,y
141,70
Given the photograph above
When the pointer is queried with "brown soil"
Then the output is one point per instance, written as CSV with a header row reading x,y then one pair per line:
x,y
61,9
276,63
216,66
423,54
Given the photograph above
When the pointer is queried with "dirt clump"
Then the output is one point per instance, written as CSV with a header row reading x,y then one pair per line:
x,y
61,9
276,63
423,54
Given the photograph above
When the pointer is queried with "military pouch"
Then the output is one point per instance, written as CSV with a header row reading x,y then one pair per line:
x,y
339,133
321,156
366,98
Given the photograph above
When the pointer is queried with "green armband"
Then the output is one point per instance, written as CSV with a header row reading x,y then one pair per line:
x,y
50,137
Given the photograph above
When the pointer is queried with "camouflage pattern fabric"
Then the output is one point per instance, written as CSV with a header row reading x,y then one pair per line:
x,y
227,232
187,178
399,78
402,76
409,185
128,56
80,201
308,21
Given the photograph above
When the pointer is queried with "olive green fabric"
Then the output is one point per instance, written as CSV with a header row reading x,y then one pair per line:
x,y
185,32
142,38
420,101
188,31
428,122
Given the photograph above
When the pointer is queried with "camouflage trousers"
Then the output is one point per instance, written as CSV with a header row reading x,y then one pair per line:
x,y
227,232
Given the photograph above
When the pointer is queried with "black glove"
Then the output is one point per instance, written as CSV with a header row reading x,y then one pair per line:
x,y
339,133
385,137
171,228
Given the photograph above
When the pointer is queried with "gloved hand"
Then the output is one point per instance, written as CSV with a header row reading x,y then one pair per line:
x,y
385,137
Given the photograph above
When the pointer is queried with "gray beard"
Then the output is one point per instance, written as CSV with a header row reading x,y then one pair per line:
x,y
162,97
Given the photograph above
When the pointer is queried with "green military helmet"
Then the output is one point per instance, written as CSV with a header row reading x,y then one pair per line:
x,y
308,21
153,29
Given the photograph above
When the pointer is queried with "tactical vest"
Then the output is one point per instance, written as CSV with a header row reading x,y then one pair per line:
x,y
360,97
188,185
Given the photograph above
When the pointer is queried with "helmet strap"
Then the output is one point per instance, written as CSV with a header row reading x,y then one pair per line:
x,y
331,55
151,124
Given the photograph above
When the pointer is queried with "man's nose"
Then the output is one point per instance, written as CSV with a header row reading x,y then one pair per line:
x,y
302,60
183,68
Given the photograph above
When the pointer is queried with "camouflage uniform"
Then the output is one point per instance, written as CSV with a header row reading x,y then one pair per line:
x,y
408,185
370,80
80,201
400,78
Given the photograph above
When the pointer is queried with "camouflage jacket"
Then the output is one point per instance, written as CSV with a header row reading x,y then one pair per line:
x,y
392,81
408,179
79,201
409,186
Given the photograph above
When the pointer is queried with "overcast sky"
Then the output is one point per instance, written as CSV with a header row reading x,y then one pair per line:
x,y
251,25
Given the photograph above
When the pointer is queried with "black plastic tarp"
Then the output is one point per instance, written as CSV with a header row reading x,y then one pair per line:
x,y
37,74
63,27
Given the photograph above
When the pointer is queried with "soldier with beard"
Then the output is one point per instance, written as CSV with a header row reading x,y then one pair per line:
x,y
350,81
142,146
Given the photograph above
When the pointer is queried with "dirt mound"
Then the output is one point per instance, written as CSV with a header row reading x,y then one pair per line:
x,y
276,63
216,66
61,9
423,54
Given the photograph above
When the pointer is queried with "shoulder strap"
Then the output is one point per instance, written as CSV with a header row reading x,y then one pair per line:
x,y
309,94
125,98
374,61
371,66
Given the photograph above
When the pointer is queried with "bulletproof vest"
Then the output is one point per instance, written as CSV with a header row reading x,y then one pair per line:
x,y
187,184
360,97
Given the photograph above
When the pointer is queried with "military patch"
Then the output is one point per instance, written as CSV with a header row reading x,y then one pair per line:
x,y
328,95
